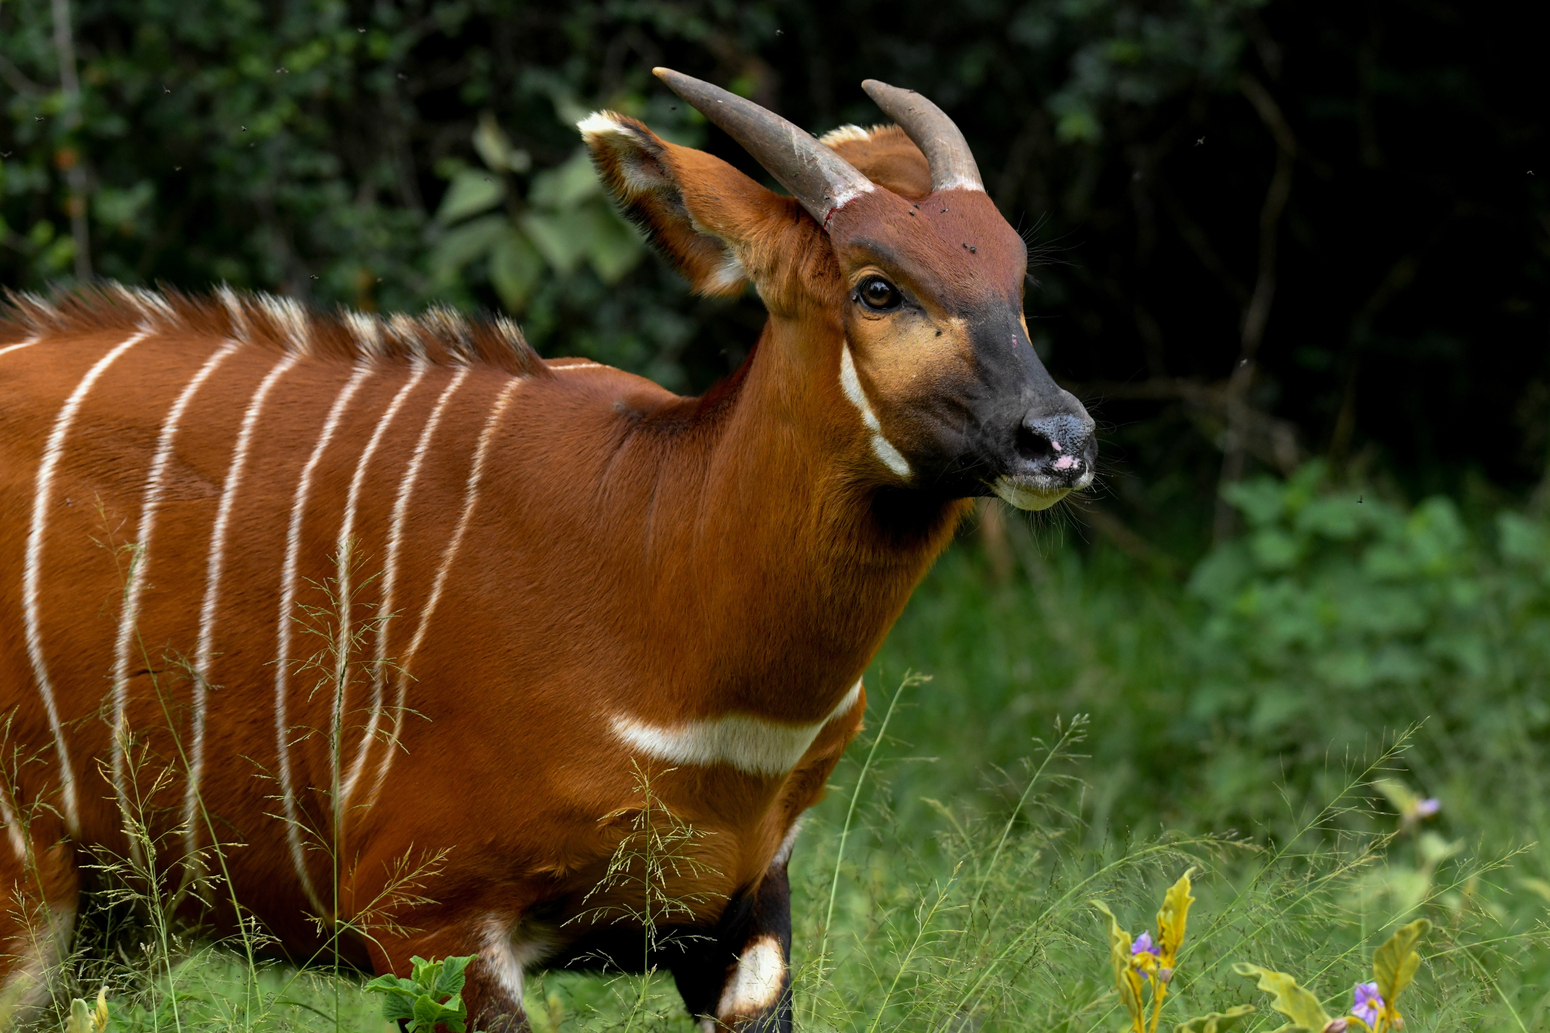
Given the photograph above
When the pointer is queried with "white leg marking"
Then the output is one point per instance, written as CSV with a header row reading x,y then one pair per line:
x,y
342,549
470,497
500,956
155,483
850,383
204,650
752,745
28,343
395,545
53,451
755,984
282,669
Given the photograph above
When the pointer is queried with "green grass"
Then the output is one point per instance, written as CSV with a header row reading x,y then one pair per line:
x,y
1090,731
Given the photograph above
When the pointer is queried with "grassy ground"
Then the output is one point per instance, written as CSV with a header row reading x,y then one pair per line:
x,y
1091,731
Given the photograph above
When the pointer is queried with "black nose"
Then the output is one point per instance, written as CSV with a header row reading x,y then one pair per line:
x,y
1060,446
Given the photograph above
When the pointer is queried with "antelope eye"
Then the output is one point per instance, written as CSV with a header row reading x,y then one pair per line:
x,y
878,294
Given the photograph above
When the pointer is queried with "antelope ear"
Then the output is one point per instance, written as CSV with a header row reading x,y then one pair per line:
x,y
701,213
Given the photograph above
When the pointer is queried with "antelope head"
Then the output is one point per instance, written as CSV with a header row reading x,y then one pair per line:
x,y
896,267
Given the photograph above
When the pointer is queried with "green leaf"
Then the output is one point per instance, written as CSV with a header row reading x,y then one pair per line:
x,y
1394,964
1217,1021
566,186
472,191
515,269
466,243
1291,1000
615,249
450,982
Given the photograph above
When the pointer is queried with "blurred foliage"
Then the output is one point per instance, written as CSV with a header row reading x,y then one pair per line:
x,y
1340,613
386,154
1339,620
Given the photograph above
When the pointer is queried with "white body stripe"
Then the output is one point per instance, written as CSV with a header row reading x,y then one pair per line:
x,y
283,660
395,546
343,549
215,565
155,483
53,451
850,383
752,745
13,828
28,343
470,498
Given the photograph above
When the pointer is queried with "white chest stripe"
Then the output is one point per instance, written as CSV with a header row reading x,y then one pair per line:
x,y
32,571
749,744
155,485
283,659
851,385
470,498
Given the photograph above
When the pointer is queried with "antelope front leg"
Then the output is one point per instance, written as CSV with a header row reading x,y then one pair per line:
x,y
741,979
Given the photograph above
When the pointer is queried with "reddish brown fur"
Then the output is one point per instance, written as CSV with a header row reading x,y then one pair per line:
x,y
631,552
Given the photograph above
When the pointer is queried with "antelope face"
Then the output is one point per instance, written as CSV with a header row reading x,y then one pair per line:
x,y
936,345
905,267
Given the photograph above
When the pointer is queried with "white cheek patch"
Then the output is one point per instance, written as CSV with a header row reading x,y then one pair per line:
x,y
756,983
752,745
851,385
728,274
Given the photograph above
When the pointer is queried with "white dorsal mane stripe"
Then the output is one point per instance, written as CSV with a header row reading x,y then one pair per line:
x,y
470,498
283,634
753,745
155,484
850,383
53,451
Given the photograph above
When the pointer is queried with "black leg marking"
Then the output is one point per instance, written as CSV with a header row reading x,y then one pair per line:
x,y
740,978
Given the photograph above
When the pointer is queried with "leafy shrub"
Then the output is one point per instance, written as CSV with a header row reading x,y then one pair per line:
x,y
1341,614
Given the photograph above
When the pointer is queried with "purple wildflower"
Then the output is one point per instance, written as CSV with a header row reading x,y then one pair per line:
x,y
1428,807
1367,1003
1144,945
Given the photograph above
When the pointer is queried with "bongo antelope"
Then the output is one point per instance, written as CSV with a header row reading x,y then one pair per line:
x,y
541,589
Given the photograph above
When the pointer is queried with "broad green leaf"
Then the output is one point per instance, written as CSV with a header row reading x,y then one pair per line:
x,y
566,186
1291,1000
563,238
1217,1021
472,191
463,244
495,148
615,249
451,980
1394,964
1173,916
515,269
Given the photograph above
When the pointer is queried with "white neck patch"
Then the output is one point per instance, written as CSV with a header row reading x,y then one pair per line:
x,y
750,744
851,385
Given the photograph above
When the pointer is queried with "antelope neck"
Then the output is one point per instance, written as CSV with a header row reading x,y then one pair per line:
x,y
789,521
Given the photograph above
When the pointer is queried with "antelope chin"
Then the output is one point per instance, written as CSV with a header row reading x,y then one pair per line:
x,y
1024,496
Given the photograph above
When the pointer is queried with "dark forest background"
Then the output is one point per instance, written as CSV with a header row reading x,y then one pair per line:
x,y
1267,231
